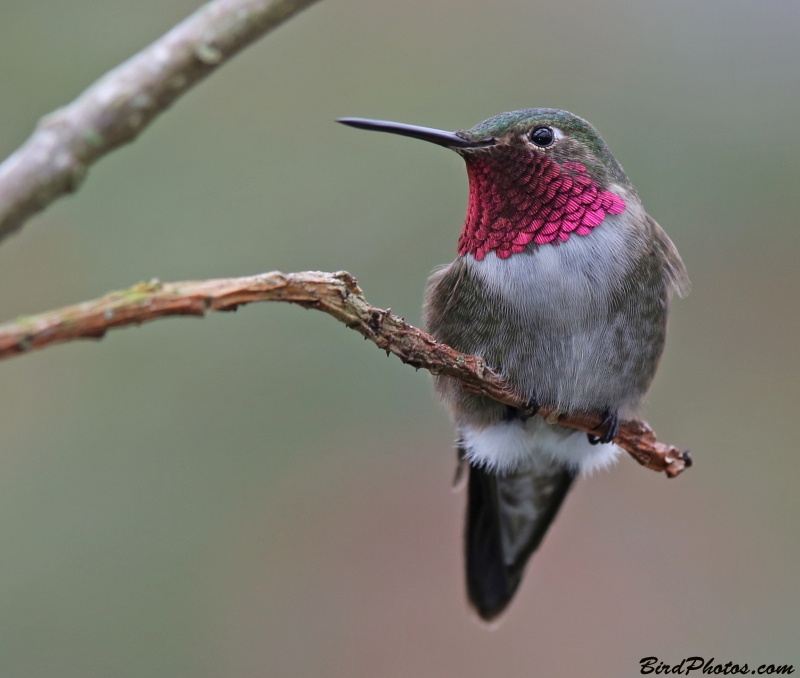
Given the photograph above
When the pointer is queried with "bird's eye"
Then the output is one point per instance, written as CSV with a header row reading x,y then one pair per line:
x,y
542,136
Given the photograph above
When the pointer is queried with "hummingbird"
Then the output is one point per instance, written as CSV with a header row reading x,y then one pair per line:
x,y
562,284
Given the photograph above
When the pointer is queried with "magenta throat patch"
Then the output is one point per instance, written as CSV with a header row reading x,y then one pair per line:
x,y
527,197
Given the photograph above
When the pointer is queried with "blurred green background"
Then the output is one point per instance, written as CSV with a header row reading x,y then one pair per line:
x,y
264,494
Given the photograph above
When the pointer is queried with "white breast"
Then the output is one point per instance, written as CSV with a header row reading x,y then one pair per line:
x,y
567,283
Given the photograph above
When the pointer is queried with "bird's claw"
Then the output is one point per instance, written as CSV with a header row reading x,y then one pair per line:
x,y
531,408
523,414
611,421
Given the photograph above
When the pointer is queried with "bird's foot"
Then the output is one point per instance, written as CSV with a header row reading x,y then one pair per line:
x,y
611,421
532,407
530,410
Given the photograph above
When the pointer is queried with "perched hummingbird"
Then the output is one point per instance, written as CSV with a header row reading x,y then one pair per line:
x,y
562,284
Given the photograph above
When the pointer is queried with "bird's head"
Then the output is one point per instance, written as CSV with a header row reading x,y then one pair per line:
x,y
536,177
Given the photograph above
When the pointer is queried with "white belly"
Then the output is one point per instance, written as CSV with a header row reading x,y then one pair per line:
x,y
517,446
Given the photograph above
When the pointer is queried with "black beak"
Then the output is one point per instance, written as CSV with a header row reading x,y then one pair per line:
x,y
435,136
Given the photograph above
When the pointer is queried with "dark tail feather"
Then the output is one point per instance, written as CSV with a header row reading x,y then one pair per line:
x,y
507,517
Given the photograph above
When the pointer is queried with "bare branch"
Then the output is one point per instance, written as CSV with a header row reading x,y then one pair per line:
x,y
337,294
115,109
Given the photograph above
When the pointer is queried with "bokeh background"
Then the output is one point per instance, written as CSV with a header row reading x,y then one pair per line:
x,y
265,494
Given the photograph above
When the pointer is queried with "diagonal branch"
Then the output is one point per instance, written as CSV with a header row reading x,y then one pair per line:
x,y
337,294
116,108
